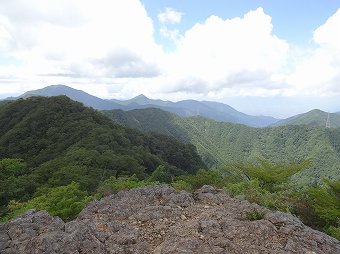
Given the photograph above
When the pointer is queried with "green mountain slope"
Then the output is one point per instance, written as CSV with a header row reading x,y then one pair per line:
x,y
220,143
3,102
314,117
62,141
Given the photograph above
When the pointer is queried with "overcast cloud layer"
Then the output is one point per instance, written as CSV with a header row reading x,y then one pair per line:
x,y
107,48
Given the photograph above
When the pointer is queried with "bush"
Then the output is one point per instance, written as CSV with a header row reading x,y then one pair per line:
x,y
161,175
211,177
182,185
64,201
334,231
114,185
254,215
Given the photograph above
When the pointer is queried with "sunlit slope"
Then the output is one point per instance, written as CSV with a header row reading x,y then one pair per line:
x,y
220,143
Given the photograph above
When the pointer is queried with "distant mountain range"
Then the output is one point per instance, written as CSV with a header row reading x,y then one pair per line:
x,y
74,94
213,110
220,144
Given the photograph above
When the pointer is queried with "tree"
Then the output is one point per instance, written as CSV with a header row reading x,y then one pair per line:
x,y
64,201
161,174
14,181
270,176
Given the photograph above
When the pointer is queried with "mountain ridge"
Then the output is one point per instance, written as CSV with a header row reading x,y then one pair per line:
x,y
220,144
213,110
315,117
56,141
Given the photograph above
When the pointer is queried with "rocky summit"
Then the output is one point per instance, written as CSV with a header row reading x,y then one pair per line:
x,y
157,219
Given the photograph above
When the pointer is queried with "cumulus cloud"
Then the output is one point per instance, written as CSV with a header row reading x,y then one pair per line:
x,y
170,16
108,48
328,33
123,63
318,73
69,38
229,53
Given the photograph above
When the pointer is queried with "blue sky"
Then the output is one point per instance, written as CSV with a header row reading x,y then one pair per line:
x,y
292,20
258,56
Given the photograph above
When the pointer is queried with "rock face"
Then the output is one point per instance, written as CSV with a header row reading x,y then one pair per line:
x,y
160,220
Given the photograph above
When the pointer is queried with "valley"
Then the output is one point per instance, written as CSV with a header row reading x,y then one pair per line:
x,y
52,147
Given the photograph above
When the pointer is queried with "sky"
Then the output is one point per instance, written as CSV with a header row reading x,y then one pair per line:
x,y
263,57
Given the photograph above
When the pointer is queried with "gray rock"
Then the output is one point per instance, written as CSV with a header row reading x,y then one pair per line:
x,y
182,199
157,219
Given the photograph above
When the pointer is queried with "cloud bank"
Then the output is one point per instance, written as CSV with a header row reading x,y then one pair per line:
x,y
108,48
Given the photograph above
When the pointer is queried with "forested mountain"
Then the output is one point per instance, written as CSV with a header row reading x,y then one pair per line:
x,y
213,110
220,144
58,141
3,102
314,117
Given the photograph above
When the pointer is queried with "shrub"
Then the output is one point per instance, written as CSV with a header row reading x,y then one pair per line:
x,y
254,214
64,201
114,185
182,185
211,177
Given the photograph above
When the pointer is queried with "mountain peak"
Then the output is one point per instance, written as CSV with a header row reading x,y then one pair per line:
x,y
316,111
59,86
141,96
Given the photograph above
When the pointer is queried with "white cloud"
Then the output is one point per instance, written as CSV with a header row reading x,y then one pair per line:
x,y
171,34
170,16
69,37
221,54
318,73
108,48
329,33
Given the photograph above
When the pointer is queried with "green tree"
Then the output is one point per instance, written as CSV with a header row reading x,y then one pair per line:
x,y
114,185
325,204
271,176
325,201
14,182
161,175
64,201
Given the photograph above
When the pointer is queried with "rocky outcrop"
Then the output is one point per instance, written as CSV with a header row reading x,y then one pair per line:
x,y
160,220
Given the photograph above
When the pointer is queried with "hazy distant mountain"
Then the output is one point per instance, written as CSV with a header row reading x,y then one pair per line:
x,y
213,110
142,100
74,94
255,121
314,117
220,143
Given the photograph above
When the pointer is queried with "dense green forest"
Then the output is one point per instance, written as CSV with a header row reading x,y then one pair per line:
x,y
314,117
222,144
46,143
266,184
57,155
3,103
